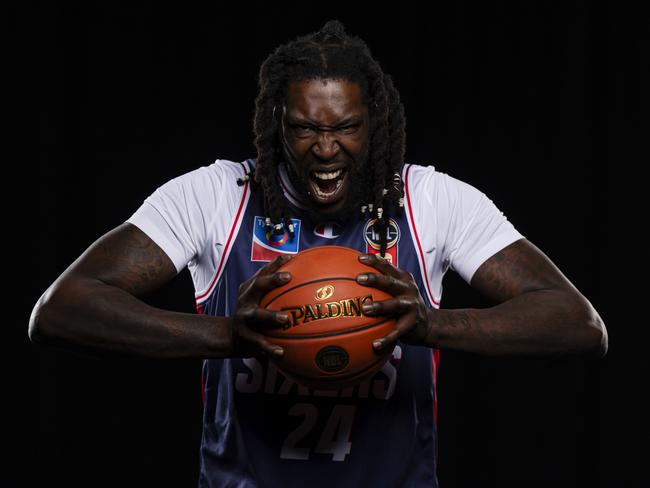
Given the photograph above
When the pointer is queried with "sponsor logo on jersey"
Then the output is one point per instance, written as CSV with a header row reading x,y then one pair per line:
x,y
373,242
267,249
328,230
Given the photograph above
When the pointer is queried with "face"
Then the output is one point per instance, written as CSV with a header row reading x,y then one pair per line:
x,y
325,133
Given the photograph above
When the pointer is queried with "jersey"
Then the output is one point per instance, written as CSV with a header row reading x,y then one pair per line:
x,y
260,428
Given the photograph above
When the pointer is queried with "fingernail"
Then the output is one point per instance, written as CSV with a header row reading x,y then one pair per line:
x,y
278,352
362,278
378,344
364,257
368,307
283,317
284,276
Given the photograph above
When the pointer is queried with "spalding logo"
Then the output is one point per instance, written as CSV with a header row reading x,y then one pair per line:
x,y
332,359
348,307
325,292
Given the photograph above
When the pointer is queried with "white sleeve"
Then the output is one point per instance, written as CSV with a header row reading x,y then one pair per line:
x,y
179,215
459,226
478,229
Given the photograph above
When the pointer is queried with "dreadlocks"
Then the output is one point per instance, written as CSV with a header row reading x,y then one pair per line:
x,y
331,54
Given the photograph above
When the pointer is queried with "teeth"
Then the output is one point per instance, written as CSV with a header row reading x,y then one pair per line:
x,y
328,176
323,194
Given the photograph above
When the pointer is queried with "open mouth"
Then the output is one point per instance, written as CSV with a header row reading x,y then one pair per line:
x,y
327,185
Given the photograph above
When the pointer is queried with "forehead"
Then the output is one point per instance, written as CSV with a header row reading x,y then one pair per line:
x,y
323,98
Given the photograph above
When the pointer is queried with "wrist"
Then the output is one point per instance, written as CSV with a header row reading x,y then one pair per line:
x,y
220,339
430,338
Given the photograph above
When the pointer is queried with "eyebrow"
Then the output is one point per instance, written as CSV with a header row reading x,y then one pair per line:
x,y
353,119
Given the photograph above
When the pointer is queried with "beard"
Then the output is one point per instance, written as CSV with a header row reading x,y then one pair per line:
x,y
299,176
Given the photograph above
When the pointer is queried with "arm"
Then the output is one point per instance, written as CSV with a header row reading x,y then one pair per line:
x,y
539,312
94,305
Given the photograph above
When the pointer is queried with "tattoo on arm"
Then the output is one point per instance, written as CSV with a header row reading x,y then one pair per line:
x,y
464,320
127,258
516,269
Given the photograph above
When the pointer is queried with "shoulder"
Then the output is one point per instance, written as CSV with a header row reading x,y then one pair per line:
x,y
210,180
227,167
425,182
219,170
202,190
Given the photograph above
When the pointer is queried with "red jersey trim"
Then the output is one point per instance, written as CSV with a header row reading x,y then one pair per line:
x,y
226,249
423,269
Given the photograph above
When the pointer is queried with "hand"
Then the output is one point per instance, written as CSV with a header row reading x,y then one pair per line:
x,y
248,314
413,319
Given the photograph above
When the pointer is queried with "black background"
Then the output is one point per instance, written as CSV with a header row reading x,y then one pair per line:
x,y
536,104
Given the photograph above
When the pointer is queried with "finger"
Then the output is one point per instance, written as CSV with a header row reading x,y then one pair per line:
x,y
380,263
247,335
404,325
270,268
274,265
393,306
385,282
262,317
264,284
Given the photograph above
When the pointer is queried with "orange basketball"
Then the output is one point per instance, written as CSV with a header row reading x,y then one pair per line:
x,y
328,340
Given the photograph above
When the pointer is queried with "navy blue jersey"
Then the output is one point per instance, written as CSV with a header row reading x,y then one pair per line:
x,y
259,427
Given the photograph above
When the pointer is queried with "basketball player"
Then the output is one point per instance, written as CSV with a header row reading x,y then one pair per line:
x,y
329,170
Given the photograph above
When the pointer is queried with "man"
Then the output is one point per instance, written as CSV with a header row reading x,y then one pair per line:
x,y
330,135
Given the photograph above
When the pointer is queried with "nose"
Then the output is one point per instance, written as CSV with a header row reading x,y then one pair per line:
x,y
326,147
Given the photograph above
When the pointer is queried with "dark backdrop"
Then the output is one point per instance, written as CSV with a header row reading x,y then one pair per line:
x,y
536,105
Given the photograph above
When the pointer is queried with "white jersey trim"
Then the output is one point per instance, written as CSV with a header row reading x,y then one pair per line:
x,y
194,218
202,295
435,301
453,225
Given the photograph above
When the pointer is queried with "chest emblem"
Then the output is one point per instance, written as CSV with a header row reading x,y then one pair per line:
x,y
328,230
267,249
373,239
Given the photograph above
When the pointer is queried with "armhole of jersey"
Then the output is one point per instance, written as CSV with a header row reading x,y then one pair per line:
x,y
435,301
415,235
203,294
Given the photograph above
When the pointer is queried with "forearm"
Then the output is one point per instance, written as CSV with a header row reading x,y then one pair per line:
x,y
93,316
544,323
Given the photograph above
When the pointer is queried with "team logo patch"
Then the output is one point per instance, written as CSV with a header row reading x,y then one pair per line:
x,y
373,242
328,230
264,249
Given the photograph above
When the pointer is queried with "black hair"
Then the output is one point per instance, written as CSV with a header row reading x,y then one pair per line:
x,y
331,54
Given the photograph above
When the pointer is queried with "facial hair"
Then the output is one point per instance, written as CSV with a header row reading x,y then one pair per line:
x,y
353,197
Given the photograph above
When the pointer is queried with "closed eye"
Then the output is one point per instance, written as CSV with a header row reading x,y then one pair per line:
x,y
348,129
303,130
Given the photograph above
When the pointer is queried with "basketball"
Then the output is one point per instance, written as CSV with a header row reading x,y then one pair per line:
x,y
328,340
